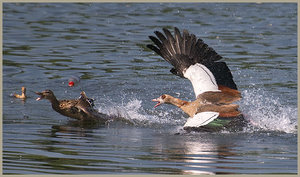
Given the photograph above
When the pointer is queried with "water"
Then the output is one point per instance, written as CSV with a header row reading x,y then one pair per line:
x,y
44,44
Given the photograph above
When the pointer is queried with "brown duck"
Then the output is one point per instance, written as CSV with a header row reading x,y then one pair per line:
x,y
81,109
212,81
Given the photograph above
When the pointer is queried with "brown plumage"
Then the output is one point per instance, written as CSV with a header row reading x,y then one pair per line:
x,y
226,96
208,101
81,108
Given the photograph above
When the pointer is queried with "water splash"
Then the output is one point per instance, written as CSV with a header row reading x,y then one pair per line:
x,y
134,112
265,112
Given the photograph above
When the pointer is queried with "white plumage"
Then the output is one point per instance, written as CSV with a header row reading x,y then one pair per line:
x,y
200,119
202,79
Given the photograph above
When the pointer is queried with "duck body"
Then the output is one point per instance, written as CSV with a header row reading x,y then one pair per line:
x,y
81,109
213,84
23,95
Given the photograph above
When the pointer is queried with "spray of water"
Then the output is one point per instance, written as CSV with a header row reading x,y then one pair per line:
x,y
134,112
263,111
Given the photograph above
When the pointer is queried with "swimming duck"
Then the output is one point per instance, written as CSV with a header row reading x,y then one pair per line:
x,y
212,81
81,108
23,95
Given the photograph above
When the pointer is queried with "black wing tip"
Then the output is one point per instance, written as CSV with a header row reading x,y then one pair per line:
x,y
166,30
150,46
191,46
157,33
191,50
151,37
155,49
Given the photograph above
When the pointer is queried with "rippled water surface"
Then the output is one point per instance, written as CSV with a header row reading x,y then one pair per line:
x,y
104,44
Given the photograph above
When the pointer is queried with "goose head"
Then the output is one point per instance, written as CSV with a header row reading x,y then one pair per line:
x,y
162,99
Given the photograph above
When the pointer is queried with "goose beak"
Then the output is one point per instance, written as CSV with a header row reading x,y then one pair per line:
x,y
158,102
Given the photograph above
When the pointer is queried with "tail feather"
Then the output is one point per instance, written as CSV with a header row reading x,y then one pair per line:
x,y
185,50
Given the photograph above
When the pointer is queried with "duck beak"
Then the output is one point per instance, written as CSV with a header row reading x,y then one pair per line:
x,y
41,96
158,102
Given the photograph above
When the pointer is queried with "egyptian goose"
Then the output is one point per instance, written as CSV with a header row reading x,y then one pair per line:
x,y
212,81
23,95
81,108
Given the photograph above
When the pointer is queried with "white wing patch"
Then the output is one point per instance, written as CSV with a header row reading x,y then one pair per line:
x,y
202,79
200,119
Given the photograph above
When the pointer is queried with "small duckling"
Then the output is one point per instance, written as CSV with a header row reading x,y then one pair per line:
x,y
23,95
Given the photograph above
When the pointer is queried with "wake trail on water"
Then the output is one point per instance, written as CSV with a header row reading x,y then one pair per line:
x,y
133,112
263,111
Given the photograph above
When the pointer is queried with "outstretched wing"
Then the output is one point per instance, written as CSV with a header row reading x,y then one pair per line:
x,y
188,55
84,103
201,119
182,51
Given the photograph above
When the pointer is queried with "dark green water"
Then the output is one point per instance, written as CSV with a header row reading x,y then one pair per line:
x,y
105,45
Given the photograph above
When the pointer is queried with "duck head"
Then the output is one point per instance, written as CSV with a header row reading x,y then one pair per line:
x,y
162,99
46,94
24,90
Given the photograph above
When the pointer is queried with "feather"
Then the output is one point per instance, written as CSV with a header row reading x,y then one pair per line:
x,y
201,119
201,78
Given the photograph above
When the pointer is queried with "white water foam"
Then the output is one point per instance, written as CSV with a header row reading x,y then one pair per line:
x,y
133,112
265,112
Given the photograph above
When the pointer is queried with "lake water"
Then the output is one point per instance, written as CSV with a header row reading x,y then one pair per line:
x,y
104,44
